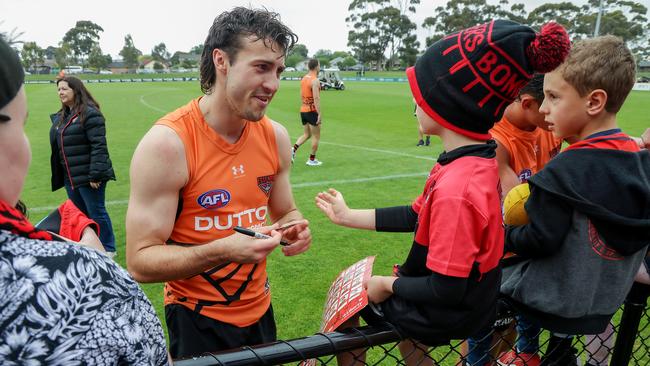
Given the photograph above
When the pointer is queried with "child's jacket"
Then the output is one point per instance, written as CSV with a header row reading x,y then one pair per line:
x,y
589,229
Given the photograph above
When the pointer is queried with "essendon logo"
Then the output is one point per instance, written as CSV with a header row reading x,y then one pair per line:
x,y
600,247
266,183
214,199
525,175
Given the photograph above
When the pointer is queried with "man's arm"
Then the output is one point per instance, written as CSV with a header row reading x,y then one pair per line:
x,y
315,89
282,207
508,177
158,172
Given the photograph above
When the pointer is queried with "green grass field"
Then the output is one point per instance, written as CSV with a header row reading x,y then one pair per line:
x,y
369,153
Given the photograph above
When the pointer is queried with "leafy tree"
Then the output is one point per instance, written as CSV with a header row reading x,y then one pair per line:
x,y
175,59
297,54
188,64
396,28
364,37
622,18
343,54
63,55
50,52
130,53
160,53
564,13
97,60
348,62
197,50
409,51
32,55
143,59
292,60
379,26
300,50
324,57
82,38
460,14
158,66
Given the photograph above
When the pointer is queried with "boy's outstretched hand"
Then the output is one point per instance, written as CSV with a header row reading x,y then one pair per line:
x,y
333,205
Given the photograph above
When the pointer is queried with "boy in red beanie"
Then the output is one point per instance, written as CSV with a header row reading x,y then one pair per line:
x,y
448,286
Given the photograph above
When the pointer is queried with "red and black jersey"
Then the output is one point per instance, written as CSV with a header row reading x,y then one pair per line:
x,y
611,139
448,285
459,217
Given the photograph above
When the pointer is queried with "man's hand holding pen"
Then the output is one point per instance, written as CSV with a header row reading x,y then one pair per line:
x,y
297,234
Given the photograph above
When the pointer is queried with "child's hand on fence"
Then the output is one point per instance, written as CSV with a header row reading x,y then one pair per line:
x,y
379,288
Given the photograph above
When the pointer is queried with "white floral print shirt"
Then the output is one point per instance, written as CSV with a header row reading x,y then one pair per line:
x,y
62,304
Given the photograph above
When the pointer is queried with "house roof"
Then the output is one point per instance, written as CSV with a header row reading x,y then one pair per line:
x,y
117,65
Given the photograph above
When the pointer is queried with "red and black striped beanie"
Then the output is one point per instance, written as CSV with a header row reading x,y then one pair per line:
x,y
465,80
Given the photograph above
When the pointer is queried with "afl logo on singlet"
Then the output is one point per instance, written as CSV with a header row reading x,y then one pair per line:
x,y
214,199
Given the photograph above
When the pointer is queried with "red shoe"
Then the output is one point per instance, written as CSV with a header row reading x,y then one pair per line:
x,y
512,358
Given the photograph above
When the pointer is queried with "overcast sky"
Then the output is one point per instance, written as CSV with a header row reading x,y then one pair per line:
x,y
184,24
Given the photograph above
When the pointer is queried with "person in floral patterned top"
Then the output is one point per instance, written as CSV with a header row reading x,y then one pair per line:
x,y
59,302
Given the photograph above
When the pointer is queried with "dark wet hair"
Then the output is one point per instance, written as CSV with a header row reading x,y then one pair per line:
x,y
230,27
312,64
535,88
82,98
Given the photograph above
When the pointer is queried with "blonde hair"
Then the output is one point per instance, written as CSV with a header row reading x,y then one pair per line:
x,y
601,63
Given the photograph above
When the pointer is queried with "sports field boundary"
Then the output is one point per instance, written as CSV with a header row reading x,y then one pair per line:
x,y
297,185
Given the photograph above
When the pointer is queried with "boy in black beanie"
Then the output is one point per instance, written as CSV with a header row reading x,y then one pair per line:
x,y
448,286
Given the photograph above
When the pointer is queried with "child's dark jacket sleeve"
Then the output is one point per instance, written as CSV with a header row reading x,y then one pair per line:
x,y
550,220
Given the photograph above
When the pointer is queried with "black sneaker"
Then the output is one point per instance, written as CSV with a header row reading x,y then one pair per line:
x,y
420,143
427,142
560,352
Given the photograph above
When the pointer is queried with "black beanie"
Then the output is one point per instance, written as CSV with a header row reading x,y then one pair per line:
x,y
465,80
12,75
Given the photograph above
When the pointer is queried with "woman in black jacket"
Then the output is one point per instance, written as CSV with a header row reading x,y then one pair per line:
x,y
80,160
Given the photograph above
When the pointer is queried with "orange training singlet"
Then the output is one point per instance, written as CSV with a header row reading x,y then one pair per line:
x,y
229,185
307,93
529,150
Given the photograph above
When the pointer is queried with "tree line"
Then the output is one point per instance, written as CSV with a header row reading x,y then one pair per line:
x,y
80,45
382,33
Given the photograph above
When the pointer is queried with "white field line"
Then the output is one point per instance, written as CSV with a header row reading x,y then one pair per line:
x,y
379,150
144,102
297,185
389,152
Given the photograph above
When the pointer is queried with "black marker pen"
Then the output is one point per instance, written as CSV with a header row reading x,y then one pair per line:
x,y
255,234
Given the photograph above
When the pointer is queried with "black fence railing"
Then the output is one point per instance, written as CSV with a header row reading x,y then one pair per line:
x,y
627,343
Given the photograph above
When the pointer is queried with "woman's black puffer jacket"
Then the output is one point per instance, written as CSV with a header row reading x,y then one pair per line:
x,y
85,154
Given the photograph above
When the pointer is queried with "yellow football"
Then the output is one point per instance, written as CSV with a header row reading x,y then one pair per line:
x,y
514,212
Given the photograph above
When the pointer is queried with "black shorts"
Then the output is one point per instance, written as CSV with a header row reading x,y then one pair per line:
x,y
192,334
309,117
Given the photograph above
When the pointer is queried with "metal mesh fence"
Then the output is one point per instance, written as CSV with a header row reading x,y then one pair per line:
x,y
625,342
